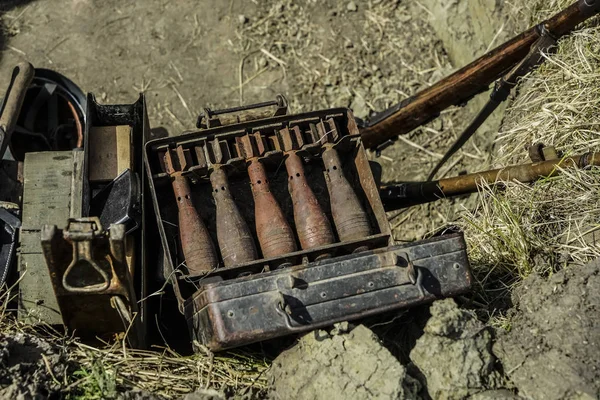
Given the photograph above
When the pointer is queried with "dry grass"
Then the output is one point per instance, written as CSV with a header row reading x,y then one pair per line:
x,y
101,371
548,225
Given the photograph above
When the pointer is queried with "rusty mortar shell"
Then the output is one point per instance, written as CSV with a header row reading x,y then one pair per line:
x,y
312,225
349,217
275,235
196,243
235,240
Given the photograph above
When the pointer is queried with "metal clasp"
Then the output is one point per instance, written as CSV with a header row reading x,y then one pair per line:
x,y
284,310
414,274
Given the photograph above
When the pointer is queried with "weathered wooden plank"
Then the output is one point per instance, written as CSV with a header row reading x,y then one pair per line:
x,y
77,185
47,188
37,301
110,152
48,182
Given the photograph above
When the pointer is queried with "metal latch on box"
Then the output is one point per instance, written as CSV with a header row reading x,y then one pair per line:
x,y
92,275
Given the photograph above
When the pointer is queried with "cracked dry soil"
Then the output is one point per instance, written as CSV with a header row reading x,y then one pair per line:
x,y
351,365
551,351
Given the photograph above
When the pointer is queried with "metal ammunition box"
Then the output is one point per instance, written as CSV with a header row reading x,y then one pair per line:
x,y
96,255
245,302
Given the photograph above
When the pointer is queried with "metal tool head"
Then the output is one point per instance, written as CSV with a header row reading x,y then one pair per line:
x,y
252,145
290,138
177,160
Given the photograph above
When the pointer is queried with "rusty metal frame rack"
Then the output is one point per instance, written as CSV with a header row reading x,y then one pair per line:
x,y
356,165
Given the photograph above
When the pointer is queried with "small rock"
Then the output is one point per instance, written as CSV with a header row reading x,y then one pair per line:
x,y
242,19
502,394
340,328
454,354
262,62
205,394
343,366
405,18
558,279
352,7
359,107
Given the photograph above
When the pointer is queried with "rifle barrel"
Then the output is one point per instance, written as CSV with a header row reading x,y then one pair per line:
x,y
473,79
407,194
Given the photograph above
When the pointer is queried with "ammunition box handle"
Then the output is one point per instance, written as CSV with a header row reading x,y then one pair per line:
x,y
209,118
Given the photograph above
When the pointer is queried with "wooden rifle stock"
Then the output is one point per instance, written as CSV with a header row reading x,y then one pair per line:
x,y
471,80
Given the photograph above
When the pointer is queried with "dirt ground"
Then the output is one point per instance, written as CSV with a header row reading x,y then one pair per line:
x,y
367,55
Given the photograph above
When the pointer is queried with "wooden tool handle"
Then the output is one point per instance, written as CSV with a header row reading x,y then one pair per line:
x,y
197,246
274,233
13,101
349,217
235,240
312,225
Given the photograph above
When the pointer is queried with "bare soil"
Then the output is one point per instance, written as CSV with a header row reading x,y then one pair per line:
x,y
30,367
553,346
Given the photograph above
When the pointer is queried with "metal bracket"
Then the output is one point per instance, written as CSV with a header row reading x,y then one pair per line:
x,y
589,7
283,309
91,277
414,275
539,153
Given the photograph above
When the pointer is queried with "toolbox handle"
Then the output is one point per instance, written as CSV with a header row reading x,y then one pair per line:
x,y
414,273
82,254
415,276
208,118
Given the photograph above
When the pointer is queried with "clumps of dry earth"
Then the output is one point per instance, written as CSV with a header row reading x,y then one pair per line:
x,y
30,366
340,364
552,348
454,355
551,351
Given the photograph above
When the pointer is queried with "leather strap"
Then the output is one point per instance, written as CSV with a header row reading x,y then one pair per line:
x,y
501,92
